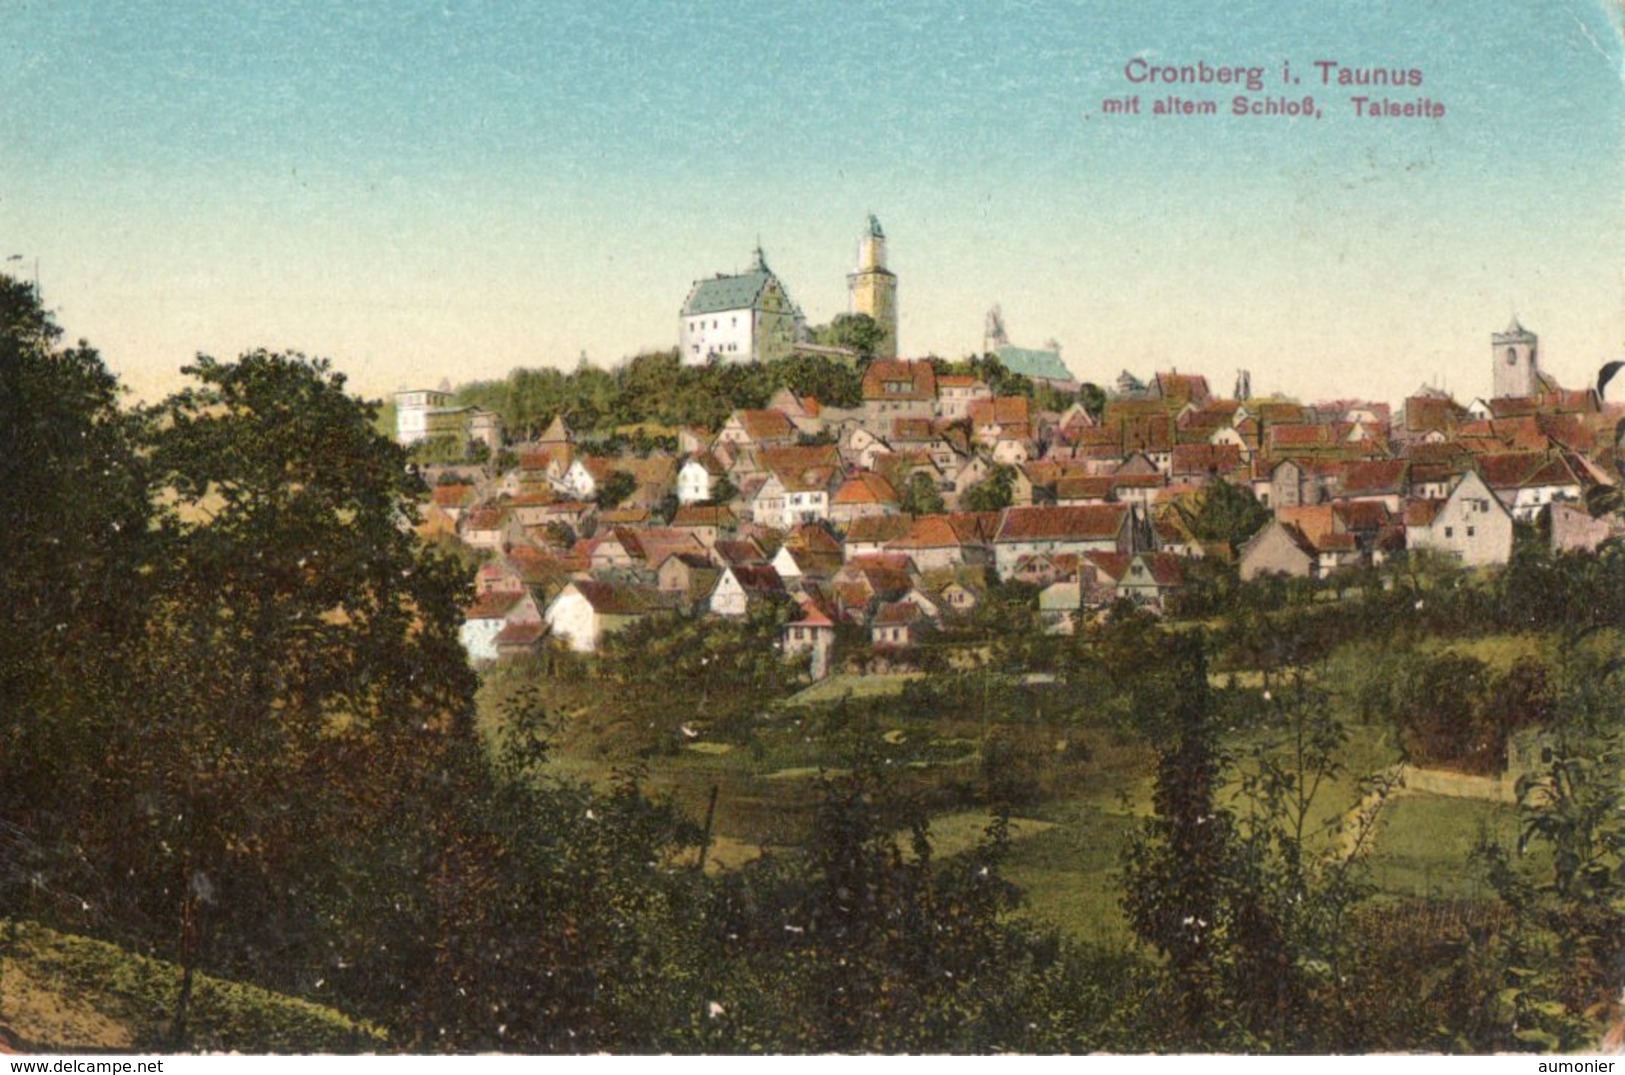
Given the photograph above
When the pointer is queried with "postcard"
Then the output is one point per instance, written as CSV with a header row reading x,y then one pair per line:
x,y
740,529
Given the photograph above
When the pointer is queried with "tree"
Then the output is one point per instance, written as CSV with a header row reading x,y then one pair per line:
x,y
75,537
992,493
615,488
1229,513
858,333
921,497
1250,911
305,706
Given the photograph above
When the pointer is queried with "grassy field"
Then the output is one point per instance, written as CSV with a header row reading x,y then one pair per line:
x,y
62,993
1425,842
1087,783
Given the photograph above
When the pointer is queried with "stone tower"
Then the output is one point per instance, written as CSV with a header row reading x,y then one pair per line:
x,y
874,288
1517,365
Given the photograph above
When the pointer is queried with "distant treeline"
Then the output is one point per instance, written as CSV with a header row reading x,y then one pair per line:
x,y
655,387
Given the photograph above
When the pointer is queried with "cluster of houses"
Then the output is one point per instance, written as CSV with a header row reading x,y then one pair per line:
x,y
825,509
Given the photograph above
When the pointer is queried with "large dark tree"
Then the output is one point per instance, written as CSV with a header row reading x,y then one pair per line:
x,y
74,534
300,705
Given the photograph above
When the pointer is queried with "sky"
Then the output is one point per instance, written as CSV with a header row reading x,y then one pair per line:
x,y
428,191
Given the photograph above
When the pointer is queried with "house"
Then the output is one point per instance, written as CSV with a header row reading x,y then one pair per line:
x,y
864,493
870,534
1385,481
1573,530
740,584
1001,417
956,392
1528,481
708,523
897,388
687,574
747,317
1279,549
484,528
1472,524
485,619
412,409
885,576
938,542
698,478
897,624
1059,606
585,611
1146,578
811,632
758,429
1026,531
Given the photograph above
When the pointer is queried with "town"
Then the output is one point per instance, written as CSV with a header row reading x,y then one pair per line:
x,y
774,692
895,514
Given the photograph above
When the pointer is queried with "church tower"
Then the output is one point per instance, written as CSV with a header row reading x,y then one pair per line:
x,y
1517,366
874,288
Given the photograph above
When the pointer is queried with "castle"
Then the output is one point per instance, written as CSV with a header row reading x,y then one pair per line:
x,y
749,316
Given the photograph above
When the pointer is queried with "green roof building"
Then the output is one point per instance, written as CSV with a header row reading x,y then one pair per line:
x,y
747,317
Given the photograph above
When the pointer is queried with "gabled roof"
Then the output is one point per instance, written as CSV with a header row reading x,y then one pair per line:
x,y
761,580
877,529
811,537
493,606
1000,410
452,496
1383,477
798,459
912,380
1182,387
1083,487
720,293
865,487
1087,522
739,552
1421,513
811,615
1522,470
1203,458
897,614
696,515
940,532
521,633
1032,362
1363,515
766,425
616,599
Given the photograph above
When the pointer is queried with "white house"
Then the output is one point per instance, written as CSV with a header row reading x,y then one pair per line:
x,y
743,318
485,620
1472,524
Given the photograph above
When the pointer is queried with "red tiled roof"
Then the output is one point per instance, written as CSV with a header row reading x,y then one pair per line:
x,y
1381,477
1000,410
865,488
1082,523
920,379
897,614
522,633
1205,458
877,529
492,606
766,425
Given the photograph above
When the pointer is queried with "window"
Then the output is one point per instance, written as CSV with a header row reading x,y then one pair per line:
x,y
1470,531
1449,531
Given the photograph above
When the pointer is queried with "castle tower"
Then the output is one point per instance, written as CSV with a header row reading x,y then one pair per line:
x,y
874,288
1517,365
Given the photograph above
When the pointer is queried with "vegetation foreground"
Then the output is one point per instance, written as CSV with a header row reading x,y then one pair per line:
x,y
240,741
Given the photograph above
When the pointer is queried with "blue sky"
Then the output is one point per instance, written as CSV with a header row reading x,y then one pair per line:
x,y
451,190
